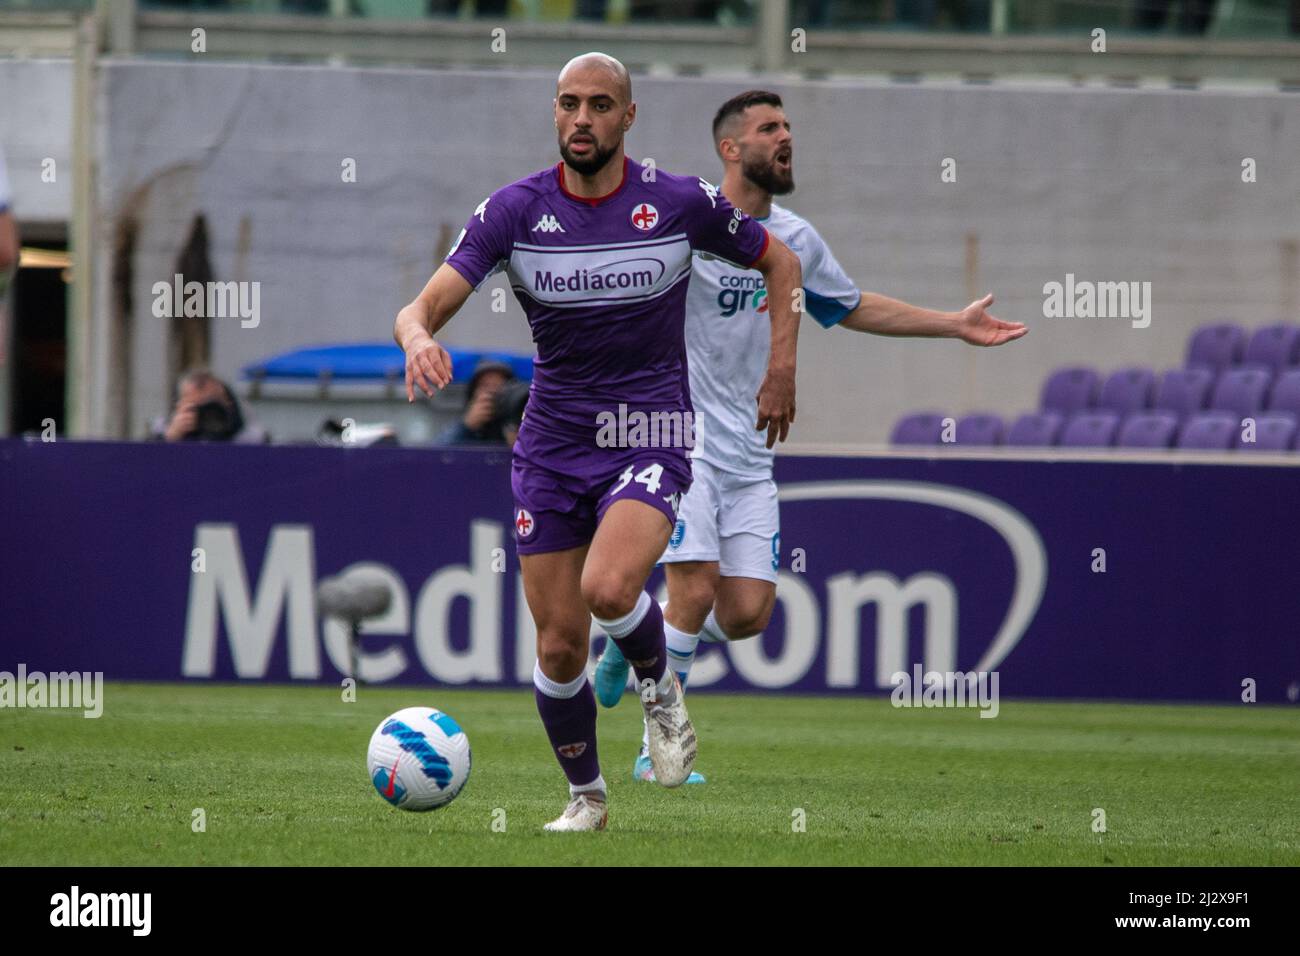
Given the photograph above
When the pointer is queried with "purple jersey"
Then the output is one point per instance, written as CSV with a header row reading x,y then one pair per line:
x,y
603,283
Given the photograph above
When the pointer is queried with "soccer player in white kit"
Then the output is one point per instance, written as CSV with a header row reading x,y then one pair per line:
x,y
722,558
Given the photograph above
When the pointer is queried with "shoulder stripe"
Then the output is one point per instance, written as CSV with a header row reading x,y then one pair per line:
x,y
636,244
826,310
767,241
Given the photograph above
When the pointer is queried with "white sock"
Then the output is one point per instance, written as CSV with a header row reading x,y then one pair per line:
x,y
712,633
554,688
621,627
596,786
681,649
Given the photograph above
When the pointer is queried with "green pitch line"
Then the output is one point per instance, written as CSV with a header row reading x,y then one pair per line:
x,y
280,775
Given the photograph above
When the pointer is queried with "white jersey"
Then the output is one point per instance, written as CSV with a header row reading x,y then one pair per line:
x,y
728,339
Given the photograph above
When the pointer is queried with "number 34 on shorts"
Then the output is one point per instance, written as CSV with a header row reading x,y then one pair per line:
x,y
647,481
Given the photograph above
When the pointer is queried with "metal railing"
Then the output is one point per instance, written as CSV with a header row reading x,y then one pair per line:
x,y
900,38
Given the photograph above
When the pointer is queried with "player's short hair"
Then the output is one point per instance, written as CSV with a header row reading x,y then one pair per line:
x,y
737,105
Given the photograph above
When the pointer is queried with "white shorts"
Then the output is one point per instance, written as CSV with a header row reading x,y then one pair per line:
x,y
728,519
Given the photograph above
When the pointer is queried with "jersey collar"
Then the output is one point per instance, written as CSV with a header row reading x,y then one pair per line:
x,y
590,200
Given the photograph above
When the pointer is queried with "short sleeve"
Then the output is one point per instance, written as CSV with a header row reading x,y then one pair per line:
x,y
483,246
829,294
716,227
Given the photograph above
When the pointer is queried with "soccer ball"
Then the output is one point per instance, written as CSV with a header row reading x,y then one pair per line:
x,y
418,759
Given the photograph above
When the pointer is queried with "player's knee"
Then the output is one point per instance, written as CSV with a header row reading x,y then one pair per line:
x,y
690,598
695,602
609,595
746,620
561,657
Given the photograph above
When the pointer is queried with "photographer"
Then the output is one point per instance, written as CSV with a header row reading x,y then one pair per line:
x,y
508,409
207,410
479,424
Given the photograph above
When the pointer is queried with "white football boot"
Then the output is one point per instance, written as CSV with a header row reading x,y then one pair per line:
x,y
586,811
672,737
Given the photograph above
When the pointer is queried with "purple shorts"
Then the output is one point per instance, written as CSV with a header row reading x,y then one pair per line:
x,y
556,511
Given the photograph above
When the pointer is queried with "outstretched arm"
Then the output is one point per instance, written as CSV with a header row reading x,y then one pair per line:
x,y
781,275
427,363
882,315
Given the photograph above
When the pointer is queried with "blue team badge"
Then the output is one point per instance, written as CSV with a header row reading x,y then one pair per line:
x,y
776,550
679,532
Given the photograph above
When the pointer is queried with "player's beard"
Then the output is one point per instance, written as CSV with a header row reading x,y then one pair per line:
x,y
590,164
764,175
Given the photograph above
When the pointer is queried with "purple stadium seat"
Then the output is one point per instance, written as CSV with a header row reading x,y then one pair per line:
x,y
979,429
1090,430
1035,430
1286,392
1209,430
1277,346
1184,391
1241,390
1128,390
922,428
1216,346
1070,390
1155,429
1274,431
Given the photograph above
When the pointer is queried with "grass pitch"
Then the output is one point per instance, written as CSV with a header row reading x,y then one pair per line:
x,y
280,775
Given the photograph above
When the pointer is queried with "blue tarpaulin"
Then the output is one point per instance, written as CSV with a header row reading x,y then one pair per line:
x,y
371,360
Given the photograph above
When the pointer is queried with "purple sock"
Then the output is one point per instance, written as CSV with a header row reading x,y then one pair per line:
x,y
570,722
644,645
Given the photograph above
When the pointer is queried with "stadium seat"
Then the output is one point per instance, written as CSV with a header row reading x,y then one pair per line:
x,y
1035,430
1241,390
1209,430
921,428
1286,392
1184,391
1128,390
1070,390
1216,347
1274,431
1090,430
1276,346
1154,429
979,429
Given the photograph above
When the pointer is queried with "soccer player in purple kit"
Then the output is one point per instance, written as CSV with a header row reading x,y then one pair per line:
x,y
598,251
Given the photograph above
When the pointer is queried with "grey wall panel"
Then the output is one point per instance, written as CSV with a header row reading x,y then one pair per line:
x,y
1105,184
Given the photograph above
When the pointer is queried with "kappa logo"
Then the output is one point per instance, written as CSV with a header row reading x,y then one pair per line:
x,y
674,501
711,191
572,751
644,216
481,211
548,223
524,523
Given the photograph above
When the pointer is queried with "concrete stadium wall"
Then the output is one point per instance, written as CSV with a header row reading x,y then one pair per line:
x,y
1109,185
35,124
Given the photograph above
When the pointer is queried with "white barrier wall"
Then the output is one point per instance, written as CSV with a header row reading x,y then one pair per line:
x,y
1107,185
